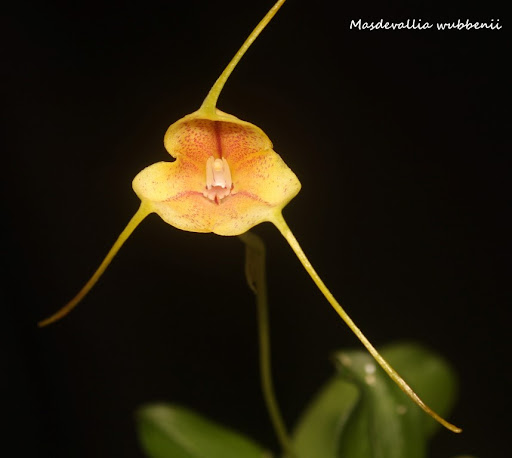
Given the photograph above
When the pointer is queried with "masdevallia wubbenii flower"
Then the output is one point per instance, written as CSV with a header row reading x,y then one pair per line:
x,y
225,179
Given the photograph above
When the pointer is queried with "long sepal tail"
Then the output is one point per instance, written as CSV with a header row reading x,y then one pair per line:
x,y
143,211
210,102
281,225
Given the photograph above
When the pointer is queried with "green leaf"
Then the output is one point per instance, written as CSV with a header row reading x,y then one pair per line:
x,y
384,423
361,413
316,434
170,431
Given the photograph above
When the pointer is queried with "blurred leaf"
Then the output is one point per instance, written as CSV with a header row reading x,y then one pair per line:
x,y
361,413
317,433
169,431
384,423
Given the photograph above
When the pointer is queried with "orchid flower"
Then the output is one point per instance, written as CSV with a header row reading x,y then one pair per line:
x,y
226,179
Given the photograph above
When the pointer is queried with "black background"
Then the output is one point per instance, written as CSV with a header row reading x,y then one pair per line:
x,y
397,138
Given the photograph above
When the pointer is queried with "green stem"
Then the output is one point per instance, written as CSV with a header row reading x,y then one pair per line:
x,y
256,278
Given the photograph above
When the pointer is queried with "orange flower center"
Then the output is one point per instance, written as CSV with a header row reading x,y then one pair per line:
x,y
218,179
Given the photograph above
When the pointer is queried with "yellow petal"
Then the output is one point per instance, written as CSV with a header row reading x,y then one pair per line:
x,y
198,136
262,182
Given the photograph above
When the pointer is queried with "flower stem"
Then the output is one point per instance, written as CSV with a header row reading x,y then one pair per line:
x,y
256,278
210,102
281,225
143,211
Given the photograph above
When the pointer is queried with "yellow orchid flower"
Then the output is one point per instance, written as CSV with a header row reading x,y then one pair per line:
x,y
226,179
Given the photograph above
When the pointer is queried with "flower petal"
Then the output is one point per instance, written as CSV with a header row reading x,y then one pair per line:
x,y
265,175
167,180
197,137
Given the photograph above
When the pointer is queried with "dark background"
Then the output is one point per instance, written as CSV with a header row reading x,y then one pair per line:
x,y
397,138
